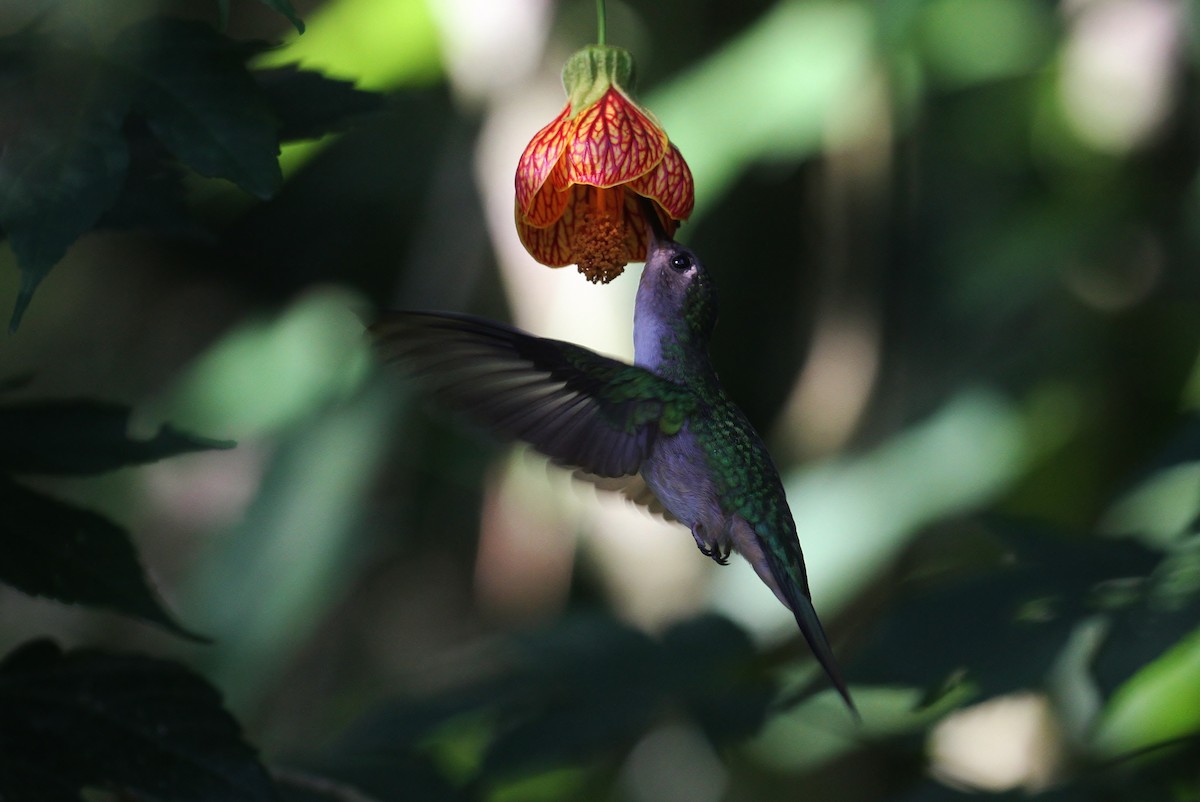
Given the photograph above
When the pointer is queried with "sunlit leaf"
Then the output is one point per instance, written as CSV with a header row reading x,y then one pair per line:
x,y
64,552
79,437
138,727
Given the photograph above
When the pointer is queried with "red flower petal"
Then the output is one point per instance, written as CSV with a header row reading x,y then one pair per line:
x,y
550,245
613,142
637,234
547,205
669,185
540,156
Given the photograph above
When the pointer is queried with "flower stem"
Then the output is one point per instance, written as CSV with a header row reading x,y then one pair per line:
x,y
601,22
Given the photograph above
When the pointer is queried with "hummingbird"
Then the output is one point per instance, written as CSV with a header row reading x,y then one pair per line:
x,y
661,430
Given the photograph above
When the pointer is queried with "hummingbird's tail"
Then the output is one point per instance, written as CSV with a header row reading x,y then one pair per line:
x,y
781,568
785,573
810,626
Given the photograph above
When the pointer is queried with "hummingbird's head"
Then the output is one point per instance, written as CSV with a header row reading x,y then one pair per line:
x,y
674,284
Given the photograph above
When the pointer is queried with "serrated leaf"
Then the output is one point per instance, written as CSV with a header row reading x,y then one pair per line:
x,y
192,86
309,105
153,195
63,552
82,437
62,154
139,727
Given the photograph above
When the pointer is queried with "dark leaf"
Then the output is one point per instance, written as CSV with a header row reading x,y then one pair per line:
x,y
1182,448
309,105
64,552
600,686
285,8
62,154
81,437
712,664
153,195
192,86
1143,632
1000,626
139,727
589,686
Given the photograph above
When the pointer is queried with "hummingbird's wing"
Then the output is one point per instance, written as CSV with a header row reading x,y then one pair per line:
x,y
633,488
574,405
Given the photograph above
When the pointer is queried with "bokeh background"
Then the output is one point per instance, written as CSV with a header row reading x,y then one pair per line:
x,y
956,247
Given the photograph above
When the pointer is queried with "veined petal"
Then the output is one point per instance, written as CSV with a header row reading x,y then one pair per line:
x,y
613,143
547,206
540,156
550,245
669,185
637,234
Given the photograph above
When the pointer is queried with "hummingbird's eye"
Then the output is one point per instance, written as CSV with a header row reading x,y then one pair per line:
x,y
681,261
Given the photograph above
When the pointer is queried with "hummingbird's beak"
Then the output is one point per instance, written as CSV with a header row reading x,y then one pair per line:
x,y
659,238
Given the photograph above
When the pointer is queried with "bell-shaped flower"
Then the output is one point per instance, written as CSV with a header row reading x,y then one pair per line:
x,y
580,177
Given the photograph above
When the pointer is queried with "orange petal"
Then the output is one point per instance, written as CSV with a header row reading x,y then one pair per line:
x,y
637,234
546,207
613,142
669,185
550,245
540,156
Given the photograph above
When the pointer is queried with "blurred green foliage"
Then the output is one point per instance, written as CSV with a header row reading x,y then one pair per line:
x,y
956,245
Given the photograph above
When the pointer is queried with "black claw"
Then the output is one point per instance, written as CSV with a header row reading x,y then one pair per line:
x,y
719,555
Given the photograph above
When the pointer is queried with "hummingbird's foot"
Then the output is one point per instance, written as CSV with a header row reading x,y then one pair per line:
x,y
713,550
722,556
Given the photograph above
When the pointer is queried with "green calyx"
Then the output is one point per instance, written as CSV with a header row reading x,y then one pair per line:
x,y
590,72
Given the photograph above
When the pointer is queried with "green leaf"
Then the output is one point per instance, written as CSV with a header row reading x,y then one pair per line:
x,y
81,437
589,686
1003,625
285,8
139,727
153,195
1144,632
192,86
62,154
310,105
74,555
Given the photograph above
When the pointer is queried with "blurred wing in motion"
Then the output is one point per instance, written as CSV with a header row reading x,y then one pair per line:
x,y
575,406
